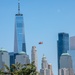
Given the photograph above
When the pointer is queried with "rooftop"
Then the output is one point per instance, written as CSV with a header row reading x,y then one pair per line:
x,y
22,52
66,54
2,50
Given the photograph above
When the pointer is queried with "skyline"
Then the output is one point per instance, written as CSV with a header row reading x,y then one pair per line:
x,y
40,18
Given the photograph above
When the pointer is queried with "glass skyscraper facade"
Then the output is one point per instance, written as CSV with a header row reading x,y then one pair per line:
x,y
19,39
62,45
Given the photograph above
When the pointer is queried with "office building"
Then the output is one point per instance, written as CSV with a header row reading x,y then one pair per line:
x,y
66,62
4,59
46,69
62,45
19,38
44,63
72,43
72,51
22,58
34,57
44,66
12,57
66,71
63,71
50,68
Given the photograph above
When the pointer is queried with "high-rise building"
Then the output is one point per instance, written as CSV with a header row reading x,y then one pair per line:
x,y
72,50
19,38
72,43
44,66
50,68
22,58
72,53
63,71
66,62
62,45
12,57
44,63
34,57
4,59
46,69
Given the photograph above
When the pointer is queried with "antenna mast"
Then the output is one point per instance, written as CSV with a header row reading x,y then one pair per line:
x,y
18,6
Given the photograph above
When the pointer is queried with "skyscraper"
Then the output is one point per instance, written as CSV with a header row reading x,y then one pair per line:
x,y
62,45
46,69
19,38
63,71
44,63
72,43
66,62
72,50
34,56
44,66
22,58
4,59
50,68
72,53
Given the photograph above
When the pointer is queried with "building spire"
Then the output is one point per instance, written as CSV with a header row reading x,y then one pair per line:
x,y
18,6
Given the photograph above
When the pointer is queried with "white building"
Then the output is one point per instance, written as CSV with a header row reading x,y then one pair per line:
x,y
44,63
46,69
34,57
44,72
4,59
22,58
50,68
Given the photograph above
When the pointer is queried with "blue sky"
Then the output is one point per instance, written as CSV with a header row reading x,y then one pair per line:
x,y
43,20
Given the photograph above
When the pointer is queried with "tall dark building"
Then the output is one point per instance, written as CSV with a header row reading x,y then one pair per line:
x,y
19,38
12,57
62,45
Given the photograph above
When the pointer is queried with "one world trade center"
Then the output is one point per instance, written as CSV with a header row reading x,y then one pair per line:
x,y
19,37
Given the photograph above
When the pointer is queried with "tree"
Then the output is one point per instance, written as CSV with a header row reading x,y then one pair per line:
x,y
29,69
1,72
19,69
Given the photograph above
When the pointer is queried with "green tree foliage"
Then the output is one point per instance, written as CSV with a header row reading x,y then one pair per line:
x,y
19,69
1,72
